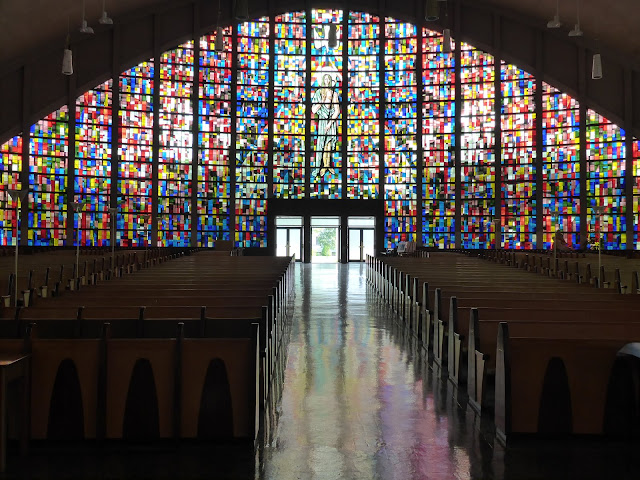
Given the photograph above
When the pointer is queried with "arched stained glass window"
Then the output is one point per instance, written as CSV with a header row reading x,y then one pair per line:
x,y
325,104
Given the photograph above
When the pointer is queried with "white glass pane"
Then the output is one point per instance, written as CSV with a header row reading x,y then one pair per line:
x,y
288,221
369,241
281,242
366,222
354,244
295,241
325,221
324,245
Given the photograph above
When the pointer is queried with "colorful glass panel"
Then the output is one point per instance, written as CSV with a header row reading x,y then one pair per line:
x,y
214,141
518,158
93,165
477,142
363,111
252,133
10,168
48,154
560,166
400,130
135,166
326,100
438,143
636,194
289,96
606,166
175,149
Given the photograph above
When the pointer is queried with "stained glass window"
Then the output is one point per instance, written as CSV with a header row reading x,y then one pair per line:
x,y
438,142
326,97
363,112
270,111
518,157
606,167
136,156
93,165
48,154
252,133
477,141
214,140
10,168
400,128
636,194
175,149
561,166
289,95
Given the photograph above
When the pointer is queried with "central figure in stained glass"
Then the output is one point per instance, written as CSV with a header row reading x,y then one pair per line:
x,y
326,107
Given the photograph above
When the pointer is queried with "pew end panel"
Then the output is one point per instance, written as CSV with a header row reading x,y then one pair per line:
x,y
123,356
47,359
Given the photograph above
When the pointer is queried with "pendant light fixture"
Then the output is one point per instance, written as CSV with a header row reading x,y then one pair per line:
x,y
219,43
431,10
555,21
446,41
104,18
596,67
446,32
576,32
242,10
333,35
84,28
67,57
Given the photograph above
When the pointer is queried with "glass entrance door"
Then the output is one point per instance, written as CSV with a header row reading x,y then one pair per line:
x,y
362,236
289,237
361,243
325,239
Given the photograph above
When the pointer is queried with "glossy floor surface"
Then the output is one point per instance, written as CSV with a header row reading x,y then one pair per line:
x,y
360,400
363,401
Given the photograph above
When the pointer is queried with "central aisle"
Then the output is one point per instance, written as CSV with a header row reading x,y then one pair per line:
x,y
356,403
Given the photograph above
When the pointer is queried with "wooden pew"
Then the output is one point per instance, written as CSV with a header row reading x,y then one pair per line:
x,y
573,398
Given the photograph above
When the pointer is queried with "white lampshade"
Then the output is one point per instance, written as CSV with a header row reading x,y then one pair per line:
x,y
67,62
105,19
576,32
446,40
219,44
596,67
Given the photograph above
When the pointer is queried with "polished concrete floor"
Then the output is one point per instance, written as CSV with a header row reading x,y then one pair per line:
x,y
360,400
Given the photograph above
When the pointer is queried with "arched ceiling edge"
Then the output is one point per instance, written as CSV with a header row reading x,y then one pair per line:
x,y
33,87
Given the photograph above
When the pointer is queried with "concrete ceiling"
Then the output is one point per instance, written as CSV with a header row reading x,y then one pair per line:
x,y
27,24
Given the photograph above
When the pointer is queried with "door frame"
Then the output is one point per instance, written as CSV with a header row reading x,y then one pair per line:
x,y
288,229
361,230
312,207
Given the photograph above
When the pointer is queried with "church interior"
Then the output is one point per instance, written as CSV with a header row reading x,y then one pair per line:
x,y
284,239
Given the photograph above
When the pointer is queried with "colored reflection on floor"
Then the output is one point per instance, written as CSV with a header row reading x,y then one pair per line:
x,y
362,401
356,403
